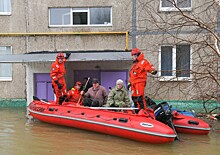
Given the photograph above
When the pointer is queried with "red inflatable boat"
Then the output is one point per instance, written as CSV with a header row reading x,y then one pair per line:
x,y
190,125
125,124
182,123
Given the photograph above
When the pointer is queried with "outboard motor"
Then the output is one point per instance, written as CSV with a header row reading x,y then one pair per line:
x,y
163,113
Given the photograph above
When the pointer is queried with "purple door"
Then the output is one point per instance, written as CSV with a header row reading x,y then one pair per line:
x,y
43,86
79,75
109,78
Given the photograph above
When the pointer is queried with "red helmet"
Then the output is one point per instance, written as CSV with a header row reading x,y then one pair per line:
x,y
60,55
135,51
78,83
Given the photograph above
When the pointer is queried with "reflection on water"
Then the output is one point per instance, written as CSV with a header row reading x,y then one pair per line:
x,y
21,136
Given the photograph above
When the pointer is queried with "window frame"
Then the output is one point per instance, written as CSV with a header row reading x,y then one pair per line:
x,y
72,10
78,10
6,13
7,78
174,77
173,8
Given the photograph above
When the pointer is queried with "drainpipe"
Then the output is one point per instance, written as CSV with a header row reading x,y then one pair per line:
x,y
126,42
67,33
134,26
26,25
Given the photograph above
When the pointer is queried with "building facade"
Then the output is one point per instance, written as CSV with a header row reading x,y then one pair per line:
x,y
100,35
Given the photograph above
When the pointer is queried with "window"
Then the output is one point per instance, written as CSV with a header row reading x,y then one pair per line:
x,y
5,7
169,5
5,68
80,16
100,16
60,17
175,62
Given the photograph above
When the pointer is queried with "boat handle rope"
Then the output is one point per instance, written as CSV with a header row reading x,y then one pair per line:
x,y
93,116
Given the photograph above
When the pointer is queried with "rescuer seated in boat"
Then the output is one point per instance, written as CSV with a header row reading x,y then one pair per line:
x,y
74,95
96,96
118,96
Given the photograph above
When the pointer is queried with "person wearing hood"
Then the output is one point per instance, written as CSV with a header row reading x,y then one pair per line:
x,y
57,74
138,77
74,95
118,96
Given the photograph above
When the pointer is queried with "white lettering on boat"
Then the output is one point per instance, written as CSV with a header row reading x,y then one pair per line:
x,y
146,125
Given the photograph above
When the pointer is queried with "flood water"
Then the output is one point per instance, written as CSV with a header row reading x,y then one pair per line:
x,y
20,136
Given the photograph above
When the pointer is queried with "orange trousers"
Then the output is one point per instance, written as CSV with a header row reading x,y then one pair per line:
x,y
59,92
138,95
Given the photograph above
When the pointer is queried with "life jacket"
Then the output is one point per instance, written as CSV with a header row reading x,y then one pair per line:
x,y
73,95
139,69
58,70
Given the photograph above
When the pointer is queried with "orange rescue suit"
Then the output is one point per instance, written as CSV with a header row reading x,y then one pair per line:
x,y
138,75
74,95
57,73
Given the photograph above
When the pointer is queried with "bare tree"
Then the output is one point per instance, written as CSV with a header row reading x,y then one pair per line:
x,y
197,27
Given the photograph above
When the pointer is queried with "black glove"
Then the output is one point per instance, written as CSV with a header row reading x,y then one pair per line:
x,y
154,72
67,100
67,55
112,105
59,86
129,85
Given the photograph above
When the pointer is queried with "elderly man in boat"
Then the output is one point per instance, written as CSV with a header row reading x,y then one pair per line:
x,y
118,96
96,96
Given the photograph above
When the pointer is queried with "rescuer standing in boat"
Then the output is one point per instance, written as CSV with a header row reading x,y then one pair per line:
x,y
57,74
138,77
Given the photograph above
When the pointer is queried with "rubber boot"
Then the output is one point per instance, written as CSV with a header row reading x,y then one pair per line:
x,y
136,104
61,99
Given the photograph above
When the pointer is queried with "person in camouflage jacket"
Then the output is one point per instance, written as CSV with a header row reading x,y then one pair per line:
x,y
118,96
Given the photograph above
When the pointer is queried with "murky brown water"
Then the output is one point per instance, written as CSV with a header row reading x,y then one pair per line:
x,y
20,136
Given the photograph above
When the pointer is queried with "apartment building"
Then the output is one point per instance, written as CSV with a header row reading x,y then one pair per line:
x,y
100,35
